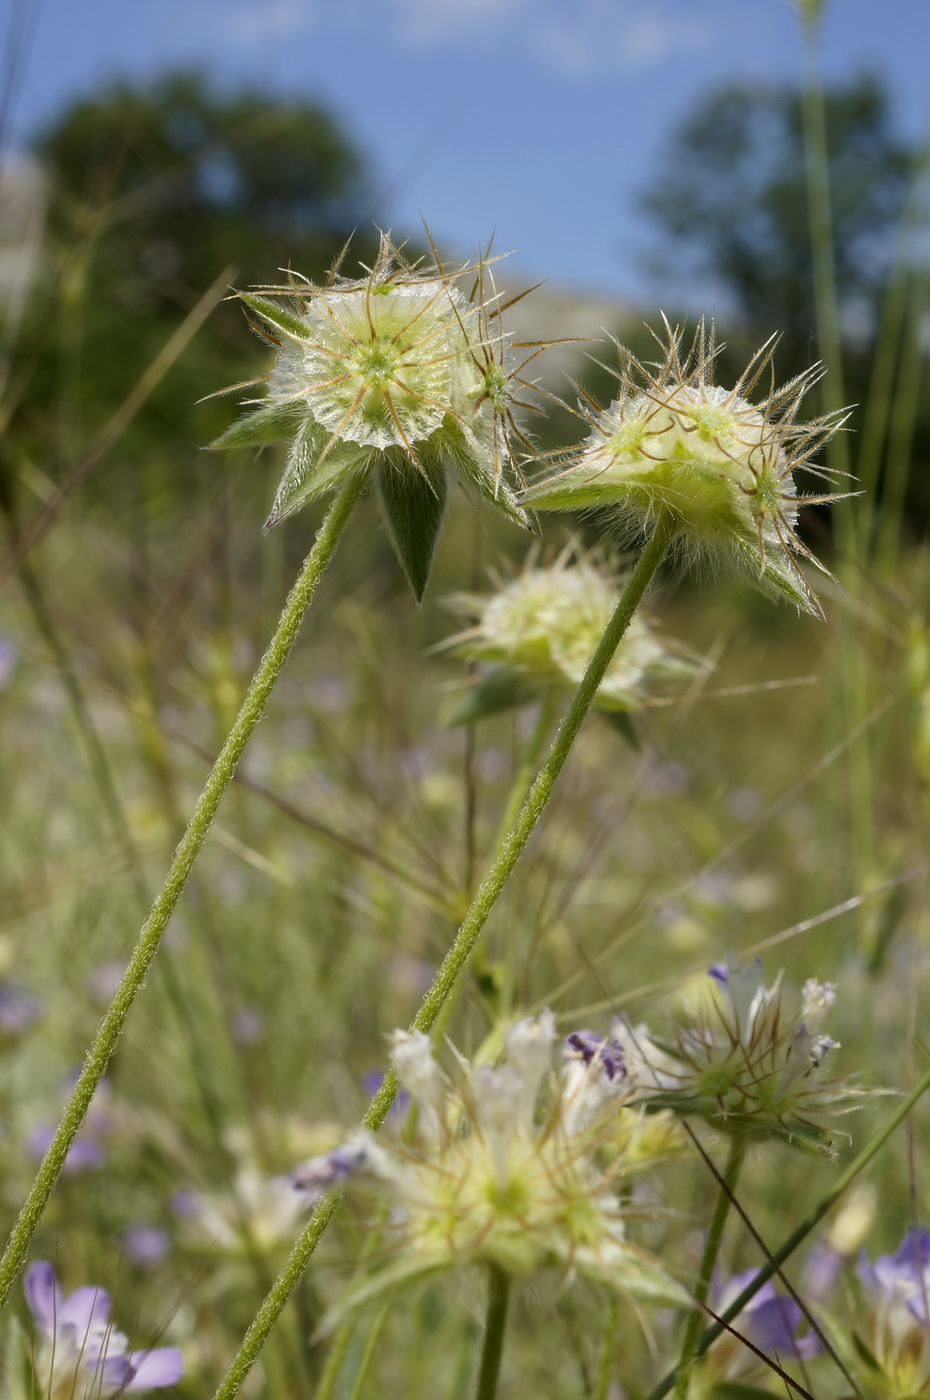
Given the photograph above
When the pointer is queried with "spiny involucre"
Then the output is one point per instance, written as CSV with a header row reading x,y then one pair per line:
x,y
674,444
541,628
495,1176
400,374
745,1064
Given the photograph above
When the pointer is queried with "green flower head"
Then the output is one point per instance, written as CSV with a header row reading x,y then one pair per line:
x,y
401,375
675,444
541,627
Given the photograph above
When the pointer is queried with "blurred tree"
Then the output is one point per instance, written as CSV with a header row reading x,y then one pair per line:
x,y
184,180
731,200
153,191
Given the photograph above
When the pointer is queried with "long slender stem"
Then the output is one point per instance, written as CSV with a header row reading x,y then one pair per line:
x,y
810,1222
104,1043
608,1349
708,1260
495,1325
455,960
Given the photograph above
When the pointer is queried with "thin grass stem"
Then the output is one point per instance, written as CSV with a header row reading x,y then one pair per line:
x,y
105,1041
502,866
708,1260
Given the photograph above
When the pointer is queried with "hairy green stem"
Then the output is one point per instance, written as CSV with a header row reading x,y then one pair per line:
x,y
221,775
520,784
495,1325
708,1260
810,1222
508,853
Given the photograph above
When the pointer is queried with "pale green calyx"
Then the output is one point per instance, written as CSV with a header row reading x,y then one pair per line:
x,y
542,627
399,374
509,1167
746,1063
675,444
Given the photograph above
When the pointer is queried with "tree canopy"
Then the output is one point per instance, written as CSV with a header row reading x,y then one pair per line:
x,y
731,201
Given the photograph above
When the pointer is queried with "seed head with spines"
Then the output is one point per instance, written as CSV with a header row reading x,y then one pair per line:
x,y
400,375
674,444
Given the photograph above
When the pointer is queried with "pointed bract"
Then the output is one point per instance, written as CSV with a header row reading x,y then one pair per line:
x,y
675,444
398,374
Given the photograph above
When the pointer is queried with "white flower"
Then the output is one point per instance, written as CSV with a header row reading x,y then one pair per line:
x,y
499,1176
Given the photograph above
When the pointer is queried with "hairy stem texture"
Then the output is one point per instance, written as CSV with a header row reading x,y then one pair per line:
x,y
221,775
502,865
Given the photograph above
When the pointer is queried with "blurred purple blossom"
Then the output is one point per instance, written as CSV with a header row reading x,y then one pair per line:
x,y
769,1320
146,1245
903,1276
81,1354
85,1151
18,1010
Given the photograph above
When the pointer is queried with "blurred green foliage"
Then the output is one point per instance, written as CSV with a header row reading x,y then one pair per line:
x,y
731,201
153,193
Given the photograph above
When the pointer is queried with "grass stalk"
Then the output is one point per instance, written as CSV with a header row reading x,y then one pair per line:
x,y
221,775
708,1260
810,1222
492,1347
500,870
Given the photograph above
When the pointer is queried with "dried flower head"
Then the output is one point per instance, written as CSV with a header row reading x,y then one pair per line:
x,y
490,1178
400,374
677,445
744,1064
543,626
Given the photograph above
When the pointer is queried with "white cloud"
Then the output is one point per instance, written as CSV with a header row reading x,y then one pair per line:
x,y
599,36
269,20
474,22
572,37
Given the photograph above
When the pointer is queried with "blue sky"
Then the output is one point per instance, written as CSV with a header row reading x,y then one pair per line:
x,y
540,118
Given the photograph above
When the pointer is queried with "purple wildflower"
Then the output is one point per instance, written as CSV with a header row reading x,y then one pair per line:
x,y
769,1319
589,1046
902,1277
146,1245
81,1354
18,1010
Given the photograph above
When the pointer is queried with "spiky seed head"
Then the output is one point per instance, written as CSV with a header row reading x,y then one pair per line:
x,y
543,625
677,445
745,1064
508,1166
399,375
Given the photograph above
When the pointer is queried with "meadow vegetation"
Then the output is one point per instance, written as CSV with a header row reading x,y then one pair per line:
x,y
613,1116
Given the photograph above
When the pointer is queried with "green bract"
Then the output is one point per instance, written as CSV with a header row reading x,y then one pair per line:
x,y
722,467
542,627
399,375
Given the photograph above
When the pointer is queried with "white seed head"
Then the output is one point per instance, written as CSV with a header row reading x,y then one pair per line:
x,y
720,467
546,622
